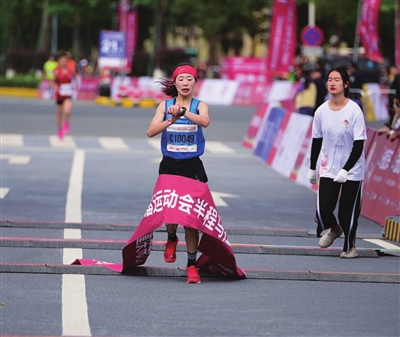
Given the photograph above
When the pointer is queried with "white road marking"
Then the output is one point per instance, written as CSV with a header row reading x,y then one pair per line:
x,y
383,244
74,195
156,160
155,143
7,139
67,142
75,318
74,314
218,147
3,192
113,143
15,160
217,197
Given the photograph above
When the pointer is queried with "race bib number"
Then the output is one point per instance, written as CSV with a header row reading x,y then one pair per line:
x,y
182,138
65,89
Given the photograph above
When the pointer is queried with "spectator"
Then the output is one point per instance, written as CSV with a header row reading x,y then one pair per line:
x,y
306,96
320,84
48,68
390,126
356,82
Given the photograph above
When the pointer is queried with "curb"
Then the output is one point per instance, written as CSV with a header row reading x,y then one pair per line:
x,y
392,228
18,92
126,102
260,274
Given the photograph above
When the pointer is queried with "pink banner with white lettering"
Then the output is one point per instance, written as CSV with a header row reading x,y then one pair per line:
x,y
398,38
189,203
282,46
131,35
85,88
128,23
368,29
243,69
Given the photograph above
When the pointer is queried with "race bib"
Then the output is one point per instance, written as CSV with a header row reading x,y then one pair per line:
x,y
182,138
65,89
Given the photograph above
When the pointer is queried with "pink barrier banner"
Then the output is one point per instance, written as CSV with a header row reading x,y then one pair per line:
x,y
85,88
371,133
243,69
368,29
397,60
252,93
189,203
255,124
291,143
281,49
279,137
387,202
378,160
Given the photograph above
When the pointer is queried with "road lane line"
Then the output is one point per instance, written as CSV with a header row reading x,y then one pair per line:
x,y
75,313
3,192
218,147
383,243
75,318
67,142
155,143
15,159
8,139
73,211
113,143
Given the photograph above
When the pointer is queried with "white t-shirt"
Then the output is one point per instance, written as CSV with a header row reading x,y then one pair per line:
x,y
339,130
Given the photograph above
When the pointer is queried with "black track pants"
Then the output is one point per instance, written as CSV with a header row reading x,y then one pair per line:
x,y
349,208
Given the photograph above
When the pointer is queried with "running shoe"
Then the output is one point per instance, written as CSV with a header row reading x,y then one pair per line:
x,y
193,275
170,251
329,237
351,254
66,128
60,134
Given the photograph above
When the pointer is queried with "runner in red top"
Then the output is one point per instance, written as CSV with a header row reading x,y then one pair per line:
x,y
63,78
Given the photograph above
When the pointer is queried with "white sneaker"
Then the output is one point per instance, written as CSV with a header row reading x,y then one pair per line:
x,y
351,254
329,237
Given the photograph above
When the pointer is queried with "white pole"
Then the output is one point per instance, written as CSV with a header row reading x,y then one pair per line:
x,y
311,13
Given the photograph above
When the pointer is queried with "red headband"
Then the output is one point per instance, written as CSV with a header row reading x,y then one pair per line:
x,y
185,70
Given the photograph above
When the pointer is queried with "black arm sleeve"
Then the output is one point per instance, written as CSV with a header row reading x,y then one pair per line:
x,y
315,149
355,154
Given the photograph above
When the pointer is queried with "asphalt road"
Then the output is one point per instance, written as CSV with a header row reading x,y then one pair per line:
x,y
288,292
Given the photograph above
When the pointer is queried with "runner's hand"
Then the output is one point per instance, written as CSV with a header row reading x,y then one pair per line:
x,y
312,176
341,177
175,110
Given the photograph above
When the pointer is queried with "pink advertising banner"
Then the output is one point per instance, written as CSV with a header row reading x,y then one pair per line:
x,y
398,38
368,29
189,203
128,23
243,69
282,46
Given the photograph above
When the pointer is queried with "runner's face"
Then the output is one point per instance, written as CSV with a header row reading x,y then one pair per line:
x,y
185,84
335,84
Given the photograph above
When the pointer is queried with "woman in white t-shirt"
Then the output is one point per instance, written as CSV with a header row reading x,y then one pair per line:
x,y
338,134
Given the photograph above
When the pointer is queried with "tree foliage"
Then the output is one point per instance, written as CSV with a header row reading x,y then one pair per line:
x,y
25,24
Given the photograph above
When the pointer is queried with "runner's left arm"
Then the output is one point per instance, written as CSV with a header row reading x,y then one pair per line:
x,y
202,119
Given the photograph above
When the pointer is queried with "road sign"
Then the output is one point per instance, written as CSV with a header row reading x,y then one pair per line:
x,y
112,44
112,49
312,36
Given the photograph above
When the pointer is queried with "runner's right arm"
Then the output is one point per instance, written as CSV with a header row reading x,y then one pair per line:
x,y
158,124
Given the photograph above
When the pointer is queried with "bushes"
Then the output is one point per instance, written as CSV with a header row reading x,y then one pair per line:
x,y
25,61
21,81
